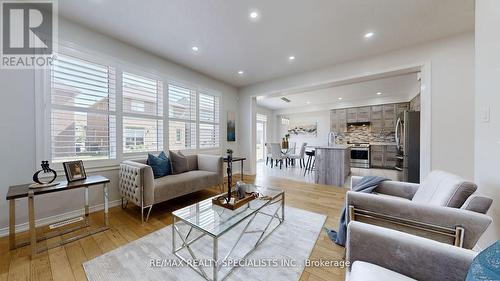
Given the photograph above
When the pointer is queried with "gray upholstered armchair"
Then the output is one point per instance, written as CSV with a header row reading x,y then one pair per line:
x,y
377,253
443,207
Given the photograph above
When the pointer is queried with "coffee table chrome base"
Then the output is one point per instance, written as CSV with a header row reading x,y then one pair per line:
x,y
216,264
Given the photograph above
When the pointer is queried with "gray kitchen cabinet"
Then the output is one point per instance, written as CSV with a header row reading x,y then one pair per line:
x,y
364,114
389,117
342,120
383,156
334,124
390,153
377,123
338,122
352,115
401,107
377,159
376,113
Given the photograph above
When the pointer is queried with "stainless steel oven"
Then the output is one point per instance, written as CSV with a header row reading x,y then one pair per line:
x,y
360,155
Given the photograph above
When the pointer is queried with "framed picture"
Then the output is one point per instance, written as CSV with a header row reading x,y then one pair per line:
x,y
74,170
231,126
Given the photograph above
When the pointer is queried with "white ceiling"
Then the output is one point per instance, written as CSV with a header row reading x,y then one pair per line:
x,y
397,88
316,32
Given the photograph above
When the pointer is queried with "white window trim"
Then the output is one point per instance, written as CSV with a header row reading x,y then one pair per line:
x,y
208,122
132,155
42,108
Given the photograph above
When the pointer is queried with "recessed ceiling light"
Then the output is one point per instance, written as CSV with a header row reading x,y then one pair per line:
x,y
308,102
254,15
379,93
241,72
340,98
194,48
369,35
291,58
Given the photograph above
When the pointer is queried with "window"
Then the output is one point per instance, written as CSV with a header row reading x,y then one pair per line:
x,y
182,117
261,117
82,110
178,135
142,114
209,121
83,114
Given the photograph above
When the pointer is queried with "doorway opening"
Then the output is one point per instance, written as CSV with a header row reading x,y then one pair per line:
x,y
261,132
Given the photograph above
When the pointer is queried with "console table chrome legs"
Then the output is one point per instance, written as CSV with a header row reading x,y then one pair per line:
x,y
34,239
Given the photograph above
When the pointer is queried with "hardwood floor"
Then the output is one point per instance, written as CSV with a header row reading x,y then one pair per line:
x,y
65,262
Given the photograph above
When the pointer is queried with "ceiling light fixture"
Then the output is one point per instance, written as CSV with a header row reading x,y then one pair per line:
x,y
340,98
194,48
241,72
379,93
291,58
308,102
369,35
254,15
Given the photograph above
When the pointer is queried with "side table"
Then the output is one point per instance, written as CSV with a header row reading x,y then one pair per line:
x,y
22,191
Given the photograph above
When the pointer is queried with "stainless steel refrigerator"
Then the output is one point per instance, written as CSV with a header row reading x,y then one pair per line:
x,y
408,142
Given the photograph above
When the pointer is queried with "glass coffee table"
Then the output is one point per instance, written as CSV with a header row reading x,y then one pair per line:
x,y
207,219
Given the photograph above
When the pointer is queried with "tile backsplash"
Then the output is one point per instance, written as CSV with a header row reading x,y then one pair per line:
x,y
363,133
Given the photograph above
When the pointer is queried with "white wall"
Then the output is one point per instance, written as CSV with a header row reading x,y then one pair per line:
x,y
322,118
17,118
487,135
452,89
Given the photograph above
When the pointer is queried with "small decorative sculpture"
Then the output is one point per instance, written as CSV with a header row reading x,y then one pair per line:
x,y
46,170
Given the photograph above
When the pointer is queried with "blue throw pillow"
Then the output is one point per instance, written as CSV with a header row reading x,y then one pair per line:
x,y
160,165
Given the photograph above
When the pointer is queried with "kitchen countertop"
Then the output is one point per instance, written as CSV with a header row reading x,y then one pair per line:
x,y
336,146
382,143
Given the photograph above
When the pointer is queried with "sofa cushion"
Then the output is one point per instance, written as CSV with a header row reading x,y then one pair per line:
x,y
179,162
364,271
160,165
477,203
192,162
181,184
444,189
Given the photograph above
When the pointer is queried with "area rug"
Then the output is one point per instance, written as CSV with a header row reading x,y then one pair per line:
x,y
281,256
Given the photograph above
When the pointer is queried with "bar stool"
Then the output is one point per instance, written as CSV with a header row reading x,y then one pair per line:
x,y
311,159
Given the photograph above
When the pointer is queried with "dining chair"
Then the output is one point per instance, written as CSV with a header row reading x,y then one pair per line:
x,y
299,156
268,152
276,155
290,151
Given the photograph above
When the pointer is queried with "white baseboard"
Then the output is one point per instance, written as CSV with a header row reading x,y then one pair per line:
x,y
52,219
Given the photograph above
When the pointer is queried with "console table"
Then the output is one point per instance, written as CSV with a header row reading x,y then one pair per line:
x,y
22,191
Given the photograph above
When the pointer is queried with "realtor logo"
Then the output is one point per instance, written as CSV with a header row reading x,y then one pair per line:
x,y
28,29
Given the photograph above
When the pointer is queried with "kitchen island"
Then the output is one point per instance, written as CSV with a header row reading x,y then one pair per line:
x,y
333,164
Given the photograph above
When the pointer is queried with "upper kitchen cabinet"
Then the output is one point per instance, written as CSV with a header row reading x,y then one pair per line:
x,y
352,115
342,119
389,117
358,114
364,114
401,107
338,120
377,122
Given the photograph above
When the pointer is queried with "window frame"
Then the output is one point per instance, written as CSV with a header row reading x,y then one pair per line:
x,y
144,115
215,122
43,111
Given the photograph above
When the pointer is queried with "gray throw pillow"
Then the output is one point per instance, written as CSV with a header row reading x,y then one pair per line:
x,y
179,162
